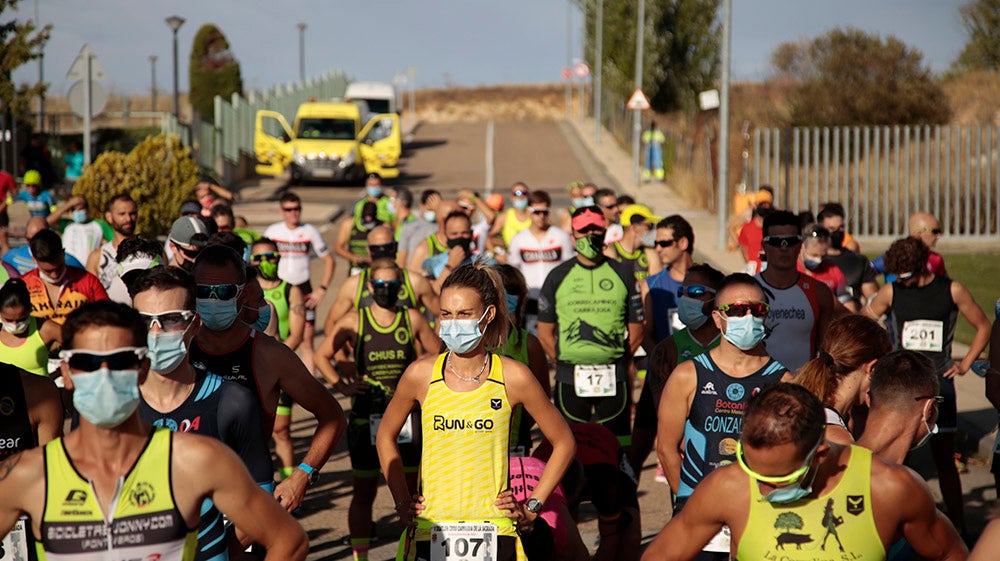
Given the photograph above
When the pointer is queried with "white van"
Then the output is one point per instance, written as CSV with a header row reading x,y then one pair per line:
x,y
380,96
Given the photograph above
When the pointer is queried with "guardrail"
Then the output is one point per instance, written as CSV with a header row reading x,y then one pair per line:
x,y
883,174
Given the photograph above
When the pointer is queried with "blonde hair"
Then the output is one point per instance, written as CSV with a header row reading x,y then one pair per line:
x,y
485,281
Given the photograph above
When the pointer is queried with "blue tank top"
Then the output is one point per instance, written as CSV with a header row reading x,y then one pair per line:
x,y
663,291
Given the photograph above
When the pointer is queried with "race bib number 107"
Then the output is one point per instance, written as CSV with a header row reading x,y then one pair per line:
x,y
463,542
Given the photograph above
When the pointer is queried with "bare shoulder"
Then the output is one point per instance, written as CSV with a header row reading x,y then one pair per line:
x,y
194,453
684,375
19,478
897,484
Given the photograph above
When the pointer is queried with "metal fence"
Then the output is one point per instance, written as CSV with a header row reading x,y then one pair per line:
x,y
883,174
232,133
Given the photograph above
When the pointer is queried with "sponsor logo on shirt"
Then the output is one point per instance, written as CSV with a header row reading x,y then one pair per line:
x,y
709,389
443,423
552,255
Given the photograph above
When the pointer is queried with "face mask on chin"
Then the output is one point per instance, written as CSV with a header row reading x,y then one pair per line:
x,y
53,280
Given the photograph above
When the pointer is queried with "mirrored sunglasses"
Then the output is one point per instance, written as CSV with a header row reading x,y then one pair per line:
x,y
740,309
272,256
694,290
782,241
219,291
85,360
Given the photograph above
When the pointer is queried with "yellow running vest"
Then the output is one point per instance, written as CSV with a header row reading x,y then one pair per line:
x,y
465,452
837,526
145,522
511,225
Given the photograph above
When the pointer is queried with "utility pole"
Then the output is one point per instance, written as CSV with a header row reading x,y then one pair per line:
x,y
723,187
598,71
175,23
640,28
302,51
569,59
41,77
152,91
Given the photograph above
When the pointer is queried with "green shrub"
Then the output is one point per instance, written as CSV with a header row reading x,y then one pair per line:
x,y
159,174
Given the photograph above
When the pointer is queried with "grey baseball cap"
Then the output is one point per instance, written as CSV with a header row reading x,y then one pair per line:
x,y
184,228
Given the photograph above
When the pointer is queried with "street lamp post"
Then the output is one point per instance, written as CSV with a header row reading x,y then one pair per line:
x,y
152,89
640,28
175,23
302,51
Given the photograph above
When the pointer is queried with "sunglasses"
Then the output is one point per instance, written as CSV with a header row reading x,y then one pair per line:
x,y
386,283
592,230
905,276
609,207
520,193
382,248
540,211
271,256
694,290
665,243
740,309
190,253
83,360
174,320
778,479
782,241
935,231
291,209
219,291
939,399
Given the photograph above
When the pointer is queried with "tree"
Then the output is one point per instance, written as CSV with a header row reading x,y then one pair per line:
x,y
159,173
213,71
680,49
981,19
851,77
20,43
788,521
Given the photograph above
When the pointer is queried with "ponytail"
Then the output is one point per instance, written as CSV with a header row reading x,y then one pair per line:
x,y
849,343
486,281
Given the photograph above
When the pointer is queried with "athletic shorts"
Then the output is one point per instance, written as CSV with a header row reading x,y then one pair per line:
x,y
947,420
612,412
364,456
4,220
307,289
285,404
645,410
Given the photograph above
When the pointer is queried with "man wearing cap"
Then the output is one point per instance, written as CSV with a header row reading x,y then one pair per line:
x,y
513,220
39,201
121,213
590,320
635,249
135,255
352,237
188,236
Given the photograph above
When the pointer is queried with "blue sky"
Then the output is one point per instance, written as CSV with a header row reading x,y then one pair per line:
x,y
462,42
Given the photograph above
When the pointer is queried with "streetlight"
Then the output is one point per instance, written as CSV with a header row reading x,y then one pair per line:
x,y
152,66
302,51
175,23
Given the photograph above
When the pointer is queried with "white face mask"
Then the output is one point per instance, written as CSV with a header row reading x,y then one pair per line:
x,y
53,280
931,430
16,327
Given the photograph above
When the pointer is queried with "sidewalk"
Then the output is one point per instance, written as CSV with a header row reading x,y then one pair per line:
x,y
977,417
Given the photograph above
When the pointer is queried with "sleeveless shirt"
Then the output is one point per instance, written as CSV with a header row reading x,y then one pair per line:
x,y
16,432
791,323
924,319
715,420
457,428
145,522
434,246
236,366
688,347
279,297
31,355
382,355
357,243
511,225
837,525
637,262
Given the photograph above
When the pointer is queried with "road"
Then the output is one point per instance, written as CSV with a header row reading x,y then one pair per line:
x,y
545,155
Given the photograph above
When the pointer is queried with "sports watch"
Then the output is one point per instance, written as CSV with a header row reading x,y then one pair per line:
x,y
311,472
533,505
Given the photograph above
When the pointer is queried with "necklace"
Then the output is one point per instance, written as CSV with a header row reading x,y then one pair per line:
x,y
451,365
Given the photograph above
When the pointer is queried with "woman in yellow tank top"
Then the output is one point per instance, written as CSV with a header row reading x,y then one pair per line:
x,y
463,506
24,340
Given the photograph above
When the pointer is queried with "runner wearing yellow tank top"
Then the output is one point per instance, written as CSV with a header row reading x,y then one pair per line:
x,y
786,499
516,218
466,396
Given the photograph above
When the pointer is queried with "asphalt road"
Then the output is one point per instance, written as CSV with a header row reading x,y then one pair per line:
x,y
449,157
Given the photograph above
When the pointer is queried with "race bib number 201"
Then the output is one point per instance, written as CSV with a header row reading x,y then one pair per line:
x,y
14,546
595,380
463,542
923,335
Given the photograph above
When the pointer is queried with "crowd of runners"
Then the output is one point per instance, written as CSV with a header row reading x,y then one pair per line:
x,y
503,361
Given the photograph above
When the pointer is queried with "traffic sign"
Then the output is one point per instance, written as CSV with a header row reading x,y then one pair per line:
x,y
79,69
638,101
567,74
581,70
78,98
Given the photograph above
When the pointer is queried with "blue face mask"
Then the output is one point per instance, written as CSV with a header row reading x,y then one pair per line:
x,y
430,216
80,216
744,332
106,397
461,335
798,490
217,315
374,191
689,311
263,318
166,350
520,204
511,304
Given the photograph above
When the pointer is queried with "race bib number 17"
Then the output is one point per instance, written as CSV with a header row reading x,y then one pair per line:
x,y
463,542
923,335
596,380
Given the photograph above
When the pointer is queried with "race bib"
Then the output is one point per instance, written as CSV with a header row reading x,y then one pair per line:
x,y
464,542
405,433
923,335
14,546
595,380
720,542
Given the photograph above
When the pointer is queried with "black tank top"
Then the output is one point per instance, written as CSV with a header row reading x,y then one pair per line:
x,y
235,366
924,319
16,433
715,420
357,244
383,353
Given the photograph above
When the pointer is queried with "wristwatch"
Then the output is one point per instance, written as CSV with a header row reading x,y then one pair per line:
x,y
533,505
311,472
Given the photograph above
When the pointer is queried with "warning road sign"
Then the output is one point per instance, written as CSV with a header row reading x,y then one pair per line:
x,y
638,100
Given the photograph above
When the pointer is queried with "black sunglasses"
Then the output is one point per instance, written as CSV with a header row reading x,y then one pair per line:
x,y
539,211
219,291
665,243
271,256
89,361
782,241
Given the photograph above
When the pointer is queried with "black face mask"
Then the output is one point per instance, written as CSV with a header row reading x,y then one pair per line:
x,y
386,296
464,243
837,239
387,250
